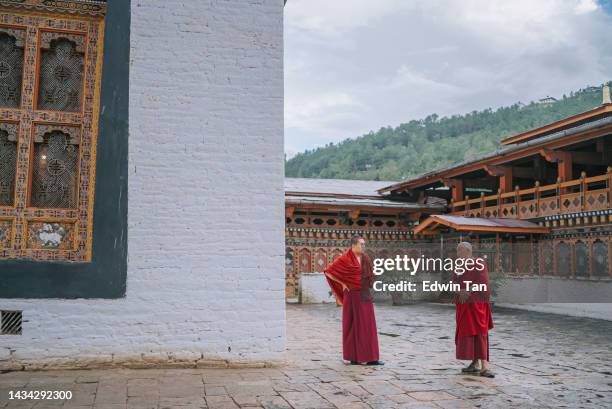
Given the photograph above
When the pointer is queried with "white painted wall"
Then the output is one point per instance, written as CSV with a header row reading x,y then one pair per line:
x,y
602,311
206,201
557,295
314,289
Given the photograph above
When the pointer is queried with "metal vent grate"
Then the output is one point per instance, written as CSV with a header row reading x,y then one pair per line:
x,y
10,322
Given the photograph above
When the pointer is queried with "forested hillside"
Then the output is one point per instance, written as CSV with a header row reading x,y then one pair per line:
x,y
433,142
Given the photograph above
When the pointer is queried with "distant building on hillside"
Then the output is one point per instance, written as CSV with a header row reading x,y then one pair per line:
x,y
547,101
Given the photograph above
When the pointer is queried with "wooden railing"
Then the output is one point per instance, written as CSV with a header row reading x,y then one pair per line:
x,y
578,195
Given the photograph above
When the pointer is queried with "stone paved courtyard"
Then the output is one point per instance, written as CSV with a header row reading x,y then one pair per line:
x,y
541,361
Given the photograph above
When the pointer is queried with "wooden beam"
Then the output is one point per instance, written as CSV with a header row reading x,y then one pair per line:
x,y
563,160
456,186
505,176
422,198
516,171
588,158
354,214
485,182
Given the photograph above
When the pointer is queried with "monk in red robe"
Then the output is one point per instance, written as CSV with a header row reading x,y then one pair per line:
x,y
350,277
473,314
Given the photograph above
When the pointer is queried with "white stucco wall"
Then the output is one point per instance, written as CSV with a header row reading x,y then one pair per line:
x,y
602,311
206,203
314,289
573,297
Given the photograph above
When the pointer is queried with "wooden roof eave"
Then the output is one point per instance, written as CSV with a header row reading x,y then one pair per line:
x,y
525,149
334,195
426,227
559,124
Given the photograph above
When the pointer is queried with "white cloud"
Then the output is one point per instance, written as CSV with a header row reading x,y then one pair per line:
x,y
316,110
586,6
356,65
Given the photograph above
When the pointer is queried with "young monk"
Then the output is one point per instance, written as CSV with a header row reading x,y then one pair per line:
x,y
350,277
473,316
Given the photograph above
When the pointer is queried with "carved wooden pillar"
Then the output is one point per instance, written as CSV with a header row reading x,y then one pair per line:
x,y
456,186
517,199
536,197
505,176
499,202
482,204
591,253
558,190
610,258
609,183
563,161
582,190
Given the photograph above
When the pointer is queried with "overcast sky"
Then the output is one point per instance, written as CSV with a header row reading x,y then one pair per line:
x,y
352,66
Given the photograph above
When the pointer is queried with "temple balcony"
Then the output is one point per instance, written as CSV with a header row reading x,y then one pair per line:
x,y
585,194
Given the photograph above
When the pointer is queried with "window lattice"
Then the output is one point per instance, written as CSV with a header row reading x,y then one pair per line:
x,y
582,259
564,259
11,68
8,162
54,171
600,262
61,77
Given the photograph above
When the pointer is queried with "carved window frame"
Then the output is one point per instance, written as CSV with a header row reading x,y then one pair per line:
x,y
37,233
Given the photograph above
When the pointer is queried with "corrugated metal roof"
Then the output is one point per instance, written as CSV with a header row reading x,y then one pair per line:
x,y
335,186
333,201
478,221
341,192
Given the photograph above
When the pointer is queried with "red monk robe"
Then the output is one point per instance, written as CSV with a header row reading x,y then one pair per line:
x,y
359,336
473,317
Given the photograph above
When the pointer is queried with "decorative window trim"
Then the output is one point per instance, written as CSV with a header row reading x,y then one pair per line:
x,y
105,277
41,22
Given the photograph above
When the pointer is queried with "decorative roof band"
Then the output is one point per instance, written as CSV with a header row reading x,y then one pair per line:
x,y
74,7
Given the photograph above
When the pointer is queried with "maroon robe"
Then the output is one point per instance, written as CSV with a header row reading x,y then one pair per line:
x,y
473,317
359,335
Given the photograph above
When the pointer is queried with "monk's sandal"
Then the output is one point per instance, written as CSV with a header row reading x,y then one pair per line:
x,y
487,374
470,369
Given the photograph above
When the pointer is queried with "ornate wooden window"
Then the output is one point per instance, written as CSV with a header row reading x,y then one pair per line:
x,y
582,259
564,259
600,258
50,69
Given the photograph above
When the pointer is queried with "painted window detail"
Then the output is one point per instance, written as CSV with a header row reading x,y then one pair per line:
x,y
61,72
50,72
55,170
11,66
8,163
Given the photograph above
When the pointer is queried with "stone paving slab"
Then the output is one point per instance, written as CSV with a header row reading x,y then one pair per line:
x,y
541,361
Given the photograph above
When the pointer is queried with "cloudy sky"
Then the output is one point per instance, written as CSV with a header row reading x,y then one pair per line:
x,y
352,66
